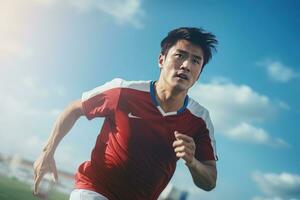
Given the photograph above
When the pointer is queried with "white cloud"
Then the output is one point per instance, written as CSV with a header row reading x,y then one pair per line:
x,y
232,103
271,198
248,133
278,71
220,80
123,11
283,105
236,108
281,186
15,15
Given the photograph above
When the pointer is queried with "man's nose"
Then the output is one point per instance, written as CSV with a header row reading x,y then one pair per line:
x,y
186,65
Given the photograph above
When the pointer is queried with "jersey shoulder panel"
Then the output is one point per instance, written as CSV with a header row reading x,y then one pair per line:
x,y
115,83
137,85
201,112
196,109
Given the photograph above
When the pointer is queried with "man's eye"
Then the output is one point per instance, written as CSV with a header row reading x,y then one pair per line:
x,y
178,55
196,61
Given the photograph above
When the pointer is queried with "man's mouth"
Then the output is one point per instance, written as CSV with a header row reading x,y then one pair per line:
x,y
182,76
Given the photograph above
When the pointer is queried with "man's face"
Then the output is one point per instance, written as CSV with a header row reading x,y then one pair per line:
x,y
181,67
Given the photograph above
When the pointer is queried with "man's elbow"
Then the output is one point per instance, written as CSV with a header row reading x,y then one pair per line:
x,y
75,109
207,187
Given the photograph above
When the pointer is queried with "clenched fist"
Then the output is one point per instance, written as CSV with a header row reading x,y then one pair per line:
x,y
184,147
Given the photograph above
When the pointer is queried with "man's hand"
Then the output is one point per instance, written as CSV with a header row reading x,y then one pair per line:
x,y
43,165
204,173
184,147
46,163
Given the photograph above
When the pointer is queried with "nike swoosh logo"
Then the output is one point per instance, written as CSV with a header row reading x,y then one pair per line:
x,y
130,115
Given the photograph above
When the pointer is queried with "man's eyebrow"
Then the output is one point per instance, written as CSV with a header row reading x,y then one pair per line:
x,y
185,52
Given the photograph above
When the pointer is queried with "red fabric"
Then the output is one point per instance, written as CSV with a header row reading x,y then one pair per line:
x,y
133,157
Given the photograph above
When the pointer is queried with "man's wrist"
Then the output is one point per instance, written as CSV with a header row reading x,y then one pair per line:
x,y
48,151
192,163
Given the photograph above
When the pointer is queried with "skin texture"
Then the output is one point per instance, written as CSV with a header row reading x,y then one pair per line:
x,y
204,173
45,162
171,90
183,59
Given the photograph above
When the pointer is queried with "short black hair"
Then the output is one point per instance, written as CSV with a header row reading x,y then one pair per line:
x,y
198,36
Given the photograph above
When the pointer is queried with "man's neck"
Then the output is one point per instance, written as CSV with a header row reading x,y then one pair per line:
x,y
168,98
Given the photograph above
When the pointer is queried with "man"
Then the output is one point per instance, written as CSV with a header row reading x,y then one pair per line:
x,y
148,126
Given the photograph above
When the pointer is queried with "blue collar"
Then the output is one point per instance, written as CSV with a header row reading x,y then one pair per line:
x,y
155,102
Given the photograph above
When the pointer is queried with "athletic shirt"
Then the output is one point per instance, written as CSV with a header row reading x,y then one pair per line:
x,y
133,158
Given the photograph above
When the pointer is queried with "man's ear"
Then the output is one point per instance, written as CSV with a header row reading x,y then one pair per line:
x,y
161,60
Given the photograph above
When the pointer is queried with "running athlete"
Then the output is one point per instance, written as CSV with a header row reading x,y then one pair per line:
x,y
148,126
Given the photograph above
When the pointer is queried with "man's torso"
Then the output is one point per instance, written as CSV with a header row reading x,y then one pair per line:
x,y
133,157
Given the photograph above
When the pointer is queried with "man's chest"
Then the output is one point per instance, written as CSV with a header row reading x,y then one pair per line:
x,y
139,122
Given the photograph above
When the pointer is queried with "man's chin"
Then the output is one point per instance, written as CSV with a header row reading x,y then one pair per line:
x,y
181,86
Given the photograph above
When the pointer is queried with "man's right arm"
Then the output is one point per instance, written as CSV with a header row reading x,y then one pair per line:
x,y
46,163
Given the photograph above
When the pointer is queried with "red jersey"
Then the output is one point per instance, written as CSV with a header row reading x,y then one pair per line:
x,y
133,157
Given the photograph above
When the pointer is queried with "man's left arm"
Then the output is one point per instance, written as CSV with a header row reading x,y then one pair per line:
x,y
204,173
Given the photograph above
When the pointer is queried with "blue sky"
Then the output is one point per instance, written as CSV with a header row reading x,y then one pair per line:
x,y
51,51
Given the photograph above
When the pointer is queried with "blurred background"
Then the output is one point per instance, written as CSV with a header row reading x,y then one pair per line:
x,y
53,50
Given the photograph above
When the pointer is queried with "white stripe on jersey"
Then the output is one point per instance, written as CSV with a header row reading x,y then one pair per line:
x,y
117,83
201,112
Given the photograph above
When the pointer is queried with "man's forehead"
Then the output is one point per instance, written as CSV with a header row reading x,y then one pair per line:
x,y
189,47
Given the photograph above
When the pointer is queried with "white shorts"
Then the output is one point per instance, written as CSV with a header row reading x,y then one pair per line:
x,y
81,194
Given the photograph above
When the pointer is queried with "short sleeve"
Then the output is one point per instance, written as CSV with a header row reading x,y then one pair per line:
x,y
205,142
103,100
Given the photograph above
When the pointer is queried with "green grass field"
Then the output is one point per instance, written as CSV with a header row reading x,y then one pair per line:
x,y
12,189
